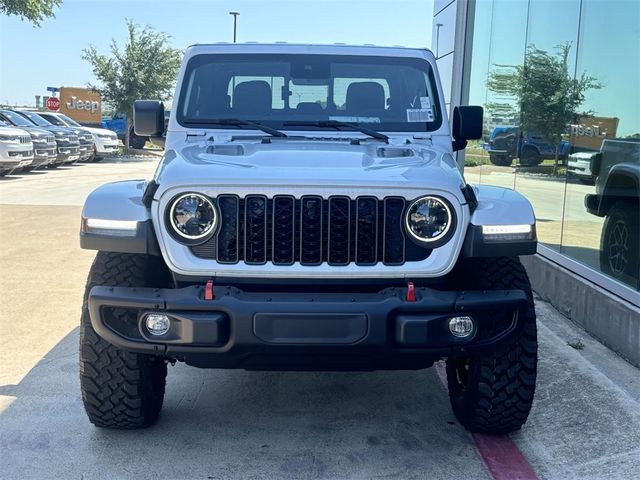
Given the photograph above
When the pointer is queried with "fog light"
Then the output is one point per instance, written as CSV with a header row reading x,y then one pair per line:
x,y
461,327
157,323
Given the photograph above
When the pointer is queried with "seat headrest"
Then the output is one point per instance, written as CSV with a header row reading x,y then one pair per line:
x,y
252,97
309,108
365,96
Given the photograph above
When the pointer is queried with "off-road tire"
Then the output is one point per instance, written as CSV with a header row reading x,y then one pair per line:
x,y
500,159
120,389
530,158
136,141
493,393
619,255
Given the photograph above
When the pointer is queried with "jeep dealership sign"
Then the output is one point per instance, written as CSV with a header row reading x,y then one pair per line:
x,y
590,132
81,104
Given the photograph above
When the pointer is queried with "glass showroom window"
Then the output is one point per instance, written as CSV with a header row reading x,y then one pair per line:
x,y
560,100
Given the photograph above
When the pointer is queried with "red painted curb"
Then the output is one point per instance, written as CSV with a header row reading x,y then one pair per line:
x,y
500,455
503,458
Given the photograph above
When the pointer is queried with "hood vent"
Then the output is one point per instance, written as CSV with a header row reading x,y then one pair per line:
x,y
394,152
230,150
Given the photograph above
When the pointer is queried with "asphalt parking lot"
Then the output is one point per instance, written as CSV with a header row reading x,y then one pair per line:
x,y
585,423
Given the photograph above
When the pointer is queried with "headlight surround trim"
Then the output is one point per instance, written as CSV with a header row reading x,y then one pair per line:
x,y
180,235
444,236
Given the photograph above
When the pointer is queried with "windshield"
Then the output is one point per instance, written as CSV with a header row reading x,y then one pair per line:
x,y
67,120
35,118
54,119
382,93
15,119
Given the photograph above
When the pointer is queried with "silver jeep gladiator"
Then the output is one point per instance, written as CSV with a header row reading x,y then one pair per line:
x,y
308,214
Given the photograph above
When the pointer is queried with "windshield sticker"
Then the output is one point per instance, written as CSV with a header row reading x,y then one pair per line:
x,y
425,102
419,115
344,118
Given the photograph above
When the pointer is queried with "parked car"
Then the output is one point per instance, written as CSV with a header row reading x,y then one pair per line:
x,y
118,124
579,166
85,137
104,142
44,142
297,236
617,199
16,148
506,143
66,139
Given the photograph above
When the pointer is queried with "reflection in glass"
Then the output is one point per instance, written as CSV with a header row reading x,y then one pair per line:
x,y
602,211
561,118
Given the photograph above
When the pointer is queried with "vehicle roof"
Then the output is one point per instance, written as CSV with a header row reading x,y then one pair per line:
x,y
309,48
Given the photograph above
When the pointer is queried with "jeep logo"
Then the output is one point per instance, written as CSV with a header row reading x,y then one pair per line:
x,y
587,131
75,104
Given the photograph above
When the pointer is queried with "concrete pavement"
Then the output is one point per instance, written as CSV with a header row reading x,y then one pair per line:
x,y
585,423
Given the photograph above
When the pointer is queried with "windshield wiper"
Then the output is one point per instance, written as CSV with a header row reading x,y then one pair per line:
x,y
338,125
236,122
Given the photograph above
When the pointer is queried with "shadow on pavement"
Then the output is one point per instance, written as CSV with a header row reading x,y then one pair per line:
x,y
238,424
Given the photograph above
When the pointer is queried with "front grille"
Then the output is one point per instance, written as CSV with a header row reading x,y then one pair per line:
x,y
25,139
73,139
310,230
50,139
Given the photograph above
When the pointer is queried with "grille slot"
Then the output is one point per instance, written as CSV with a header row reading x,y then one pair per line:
x,y
366,231
339,231
310,230
255,233
393,241
229,232
283,225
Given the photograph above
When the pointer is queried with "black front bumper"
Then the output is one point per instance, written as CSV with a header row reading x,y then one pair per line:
x,y
303,331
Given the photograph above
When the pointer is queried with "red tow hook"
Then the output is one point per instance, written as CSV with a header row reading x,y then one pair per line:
x,y
411,292
208,291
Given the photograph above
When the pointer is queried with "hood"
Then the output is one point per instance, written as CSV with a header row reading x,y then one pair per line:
x,y
37,132
99,131
80,130
13,131
313,163
64,130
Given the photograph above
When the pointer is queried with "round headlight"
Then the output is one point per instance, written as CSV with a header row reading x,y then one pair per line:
x,y
192,216
428,219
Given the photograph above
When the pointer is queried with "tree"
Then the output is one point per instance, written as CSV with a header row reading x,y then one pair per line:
x,y
146,67
33,10
548,95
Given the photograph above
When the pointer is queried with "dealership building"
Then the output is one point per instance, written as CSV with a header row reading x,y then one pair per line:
x,y
477,40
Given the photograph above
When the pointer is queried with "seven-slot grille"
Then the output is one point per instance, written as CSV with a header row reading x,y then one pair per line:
x,y
310,230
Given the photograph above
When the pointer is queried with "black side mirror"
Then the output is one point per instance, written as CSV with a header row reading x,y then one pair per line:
x,y
596,163
466,125
148,118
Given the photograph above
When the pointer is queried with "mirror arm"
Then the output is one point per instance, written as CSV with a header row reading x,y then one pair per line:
x,y
458,145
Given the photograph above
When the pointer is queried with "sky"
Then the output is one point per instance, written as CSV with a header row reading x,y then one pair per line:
x,y
33,58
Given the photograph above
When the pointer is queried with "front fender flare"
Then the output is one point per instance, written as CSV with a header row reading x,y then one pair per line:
x,y
118,202
504,207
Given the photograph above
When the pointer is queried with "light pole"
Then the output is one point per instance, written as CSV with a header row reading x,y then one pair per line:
x,y
235,21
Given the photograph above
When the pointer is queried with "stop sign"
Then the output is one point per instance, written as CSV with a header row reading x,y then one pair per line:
x,y
53,104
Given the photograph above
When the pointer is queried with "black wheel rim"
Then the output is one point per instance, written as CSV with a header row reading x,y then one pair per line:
x,y
618,251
